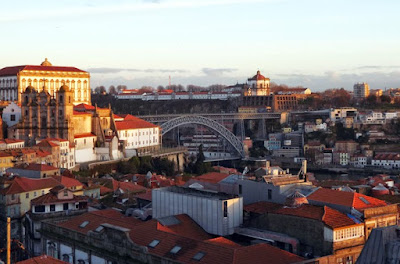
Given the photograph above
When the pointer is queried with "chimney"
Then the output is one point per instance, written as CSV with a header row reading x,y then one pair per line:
x,y
304,167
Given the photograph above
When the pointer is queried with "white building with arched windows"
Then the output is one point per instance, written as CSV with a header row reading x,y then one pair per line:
x,y
14,80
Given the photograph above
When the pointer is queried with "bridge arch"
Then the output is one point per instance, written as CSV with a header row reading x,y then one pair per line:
x,y
201,120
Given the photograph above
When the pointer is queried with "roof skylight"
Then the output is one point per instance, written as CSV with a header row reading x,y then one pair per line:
x,y
84,224
364,200
175,249
154,243
199,256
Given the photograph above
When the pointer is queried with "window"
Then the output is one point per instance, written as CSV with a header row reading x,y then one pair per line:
x,y
65,257
27,195
199,256
12,118
175,249
65,192
39,208
12,196
269,194
240,189
34,194
65,206
154,243
52,207
225,208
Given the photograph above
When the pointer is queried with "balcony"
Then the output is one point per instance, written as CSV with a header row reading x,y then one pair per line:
x,y
59,214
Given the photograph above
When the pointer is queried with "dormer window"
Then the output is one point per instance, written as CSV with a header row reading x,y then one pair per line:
x,y
65,192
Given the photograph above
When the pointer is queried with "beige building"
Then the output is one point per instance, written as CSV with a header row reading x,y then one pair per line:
x,y
361,90
14,80
258,85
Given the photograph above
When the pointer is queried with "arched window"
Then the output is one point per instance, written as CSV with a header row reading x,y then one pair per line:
x,y
52,249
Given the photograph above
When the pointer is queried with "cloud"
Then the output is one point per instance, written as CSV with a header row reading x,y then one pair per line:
x,y
217,71
119,70
377,67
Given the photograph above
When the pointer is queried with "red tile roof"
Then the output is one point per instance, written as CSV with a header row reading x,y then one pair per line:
x,y
325,214
132,122
84,107
84,135
67,181
36,167
186,228
104,190
127,186
43,259
21,184
264,253
12,141
145,196
51,198
9,71
348,199
46,143
219,250
212,177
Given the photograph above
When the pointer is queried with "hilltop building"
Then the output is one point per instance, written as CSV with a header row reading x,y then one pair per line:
x,y
14,80
360,90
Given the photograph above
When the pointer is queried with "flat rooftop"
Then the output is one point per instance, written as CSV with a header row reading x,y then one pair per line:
x,y
198,193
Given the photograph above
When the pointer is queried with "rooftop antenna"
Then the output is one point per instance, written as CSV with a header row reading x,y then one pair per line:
x,y
169,81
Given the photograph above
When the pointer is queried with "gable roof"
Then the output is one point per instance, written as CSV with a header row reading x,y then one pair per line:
x,y
22,184
127,186
212,177
36,167
325,214
67,181
132,122
43,259
349,199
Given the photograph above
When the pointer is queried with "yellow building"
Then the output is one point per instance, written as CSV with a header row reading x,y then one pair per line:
x,y
15,200
5,161
14,80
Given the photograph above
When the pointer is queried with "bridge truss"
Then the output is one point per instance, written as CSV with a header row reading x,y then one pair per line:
x,y
201,120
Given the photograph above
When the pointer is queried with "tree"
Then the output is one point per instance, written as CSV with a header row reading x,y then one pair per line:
x,y
385,99
112,90
160,88
121,87
102,90
146,89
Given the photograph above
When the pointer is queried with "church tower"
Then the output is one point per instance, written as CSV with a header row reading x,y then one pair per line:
x,y
64,113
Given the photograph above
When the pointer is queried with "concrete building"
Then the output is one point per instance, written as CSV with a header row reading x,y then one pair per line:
x,y
216,213
14,80
361,90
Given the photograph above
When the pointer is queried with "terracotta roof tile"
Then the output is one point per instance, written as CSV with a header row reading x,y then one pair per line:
x,y
212,177
22,184
132,122
67,181
348,199
36,167
83,135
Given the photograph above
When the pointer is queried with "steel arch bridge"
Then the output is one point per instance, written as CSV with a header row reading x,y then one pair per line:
x,y
201,120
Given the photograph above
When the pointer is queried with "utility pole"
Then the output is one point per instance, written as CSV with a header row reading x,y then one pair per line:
x,y
8,240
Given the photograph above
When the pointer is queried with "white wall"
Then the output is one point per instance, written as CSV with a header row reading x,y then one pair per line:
x,y
205,211
11,109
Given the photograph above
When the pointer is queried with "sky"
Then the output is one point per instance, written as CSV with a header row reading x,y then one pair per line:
x,y
318,44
